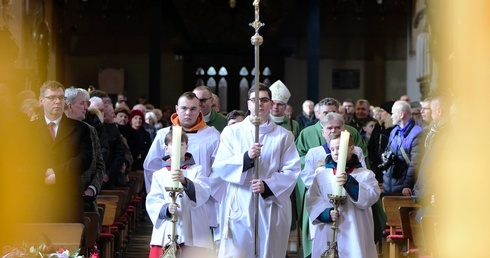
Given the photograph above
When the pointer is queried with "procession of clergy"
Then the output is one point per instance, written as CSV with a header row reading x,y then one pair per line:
x,y
300,164
294,162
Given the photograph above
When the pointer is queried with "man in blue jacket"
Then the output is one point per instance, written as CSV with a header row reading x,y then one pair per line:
x,y
400,160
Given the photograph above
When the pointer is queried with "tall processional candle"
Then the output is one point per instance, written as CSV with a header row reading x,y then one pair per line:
x,y
343,149
176,140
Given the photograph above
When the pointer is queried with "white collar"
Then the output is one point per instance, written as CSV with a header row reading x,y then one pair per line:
x,y
57,121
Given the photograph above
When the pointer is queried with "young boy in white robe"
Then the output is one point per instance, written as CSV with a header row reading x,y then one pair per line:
x,y
191,227
354,219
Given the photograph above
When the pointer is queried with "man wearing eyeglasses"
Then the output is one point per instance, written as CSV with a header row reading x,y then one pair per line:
x,y
236,159
211,117
64,148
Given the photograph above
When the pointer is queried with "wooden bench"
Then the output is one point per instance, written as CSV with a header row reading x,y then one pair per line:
x,y
137,179
121,220
106,238
110,202
58,235
92,222
391,205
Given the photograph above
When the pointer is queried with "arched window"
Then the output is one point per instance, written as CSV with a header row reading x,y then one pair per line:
x,y
218,82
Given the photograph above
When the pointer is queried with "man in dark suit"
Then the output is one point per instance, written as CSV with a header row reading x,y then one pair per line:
x,y
65,153
76,104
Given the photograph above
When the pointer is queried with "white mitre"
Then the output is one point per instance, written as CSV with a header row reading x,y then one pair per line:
x,y
280,92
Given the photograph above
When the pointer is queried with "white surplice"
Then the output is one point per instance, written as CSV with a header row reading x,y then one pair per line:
x,y
190,216
355,234
202,145
315,156
279,168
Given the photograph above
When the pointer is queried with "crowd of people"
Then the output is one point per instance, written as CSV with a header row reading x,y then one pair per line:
x,y
90,143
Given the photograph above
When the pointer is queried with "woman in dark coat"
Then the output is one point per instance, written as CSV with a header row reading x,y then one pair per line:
x,y
139,139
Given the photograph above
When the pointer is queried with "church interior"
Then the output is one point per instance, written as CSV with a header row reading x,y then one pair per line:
x,y
377,50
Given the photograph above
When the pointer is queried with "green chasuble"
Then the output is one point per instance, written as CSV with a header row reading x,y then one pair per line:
x,y
308,138
311,137
286,123
217,120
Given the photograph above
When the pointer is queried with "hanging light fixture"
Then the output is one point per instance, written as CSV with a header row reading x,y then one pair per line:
x,y
232,4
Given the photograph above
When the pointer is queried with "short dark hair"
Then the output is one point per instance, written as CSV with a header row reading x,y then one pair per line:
x,y
366,121
262,87
362,101
50,85
234,114
203,87
122,109
188,95
329,102
168,137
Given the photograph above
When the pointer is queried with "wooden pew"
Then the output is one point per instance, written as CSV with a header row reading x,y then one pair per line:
x,y
110,202
58,235
91,231
106,238
138,184
120,220
391,205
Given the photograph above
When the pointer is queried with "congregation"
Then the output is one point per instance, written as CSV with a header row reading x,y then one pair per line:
x,y
89,143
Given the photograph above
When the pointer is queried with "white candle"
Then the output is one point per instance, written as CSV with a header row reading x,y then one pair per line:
x,y
343,148
176,139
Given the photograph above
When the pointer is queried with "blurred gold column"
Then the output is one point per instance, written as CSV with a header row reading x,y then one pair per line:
x,y
464,170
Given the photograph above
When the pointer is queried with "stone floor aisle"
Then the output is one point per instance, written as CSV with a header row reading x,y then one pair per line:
x,y
138,246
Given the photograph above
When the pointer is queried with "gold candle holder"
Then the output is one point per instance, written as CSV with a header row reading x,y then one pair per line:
x,y
332,251
172,249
